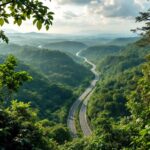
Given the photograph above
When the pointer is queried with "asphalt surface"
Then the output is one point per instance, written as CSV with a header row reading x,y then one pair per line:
x,y
84,98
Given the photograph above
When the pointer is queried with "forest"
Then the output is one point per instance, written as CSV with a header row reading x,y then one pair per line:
x,y
42,77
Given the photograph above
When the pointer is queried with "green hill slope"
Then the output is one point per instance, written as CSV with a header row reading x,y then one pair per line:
x,y
52,100
56,66
113,104
48,98
97,53
123,41
57,79
66,46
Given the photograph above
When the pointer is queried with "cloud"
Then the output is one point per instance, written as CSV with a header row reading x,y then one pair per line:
x,y
115,8
90,16
69,15
108,8
78,2
100,15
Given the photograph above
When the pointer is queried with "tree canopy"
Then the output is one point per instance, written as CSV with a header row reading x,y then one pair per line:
x,y
145,30
10,79
21,10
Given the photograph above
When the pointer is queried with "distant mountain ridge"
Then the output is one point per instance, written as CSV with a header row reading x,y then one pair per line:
x,y
124,40
66,46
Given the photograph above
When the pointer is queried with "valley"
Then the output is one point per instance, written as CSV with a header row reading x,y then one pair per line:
x,y
57,79
74,75
79,90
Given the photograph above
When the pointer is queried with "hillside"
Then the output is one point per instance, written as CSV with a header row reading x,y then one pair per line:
x,y
97,53
66,46
57,79
47,97
75,75
130,56
35,39
56,66
52,100
118,110
113,101
123,41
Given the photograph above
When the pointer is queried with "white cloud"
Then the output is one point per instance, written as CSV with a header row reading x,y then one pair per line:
x,y
82,16
70,15
115,8
78,2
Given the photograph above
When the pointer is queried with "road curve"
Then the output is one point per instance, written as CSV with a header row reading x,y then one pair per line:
x,y
83,98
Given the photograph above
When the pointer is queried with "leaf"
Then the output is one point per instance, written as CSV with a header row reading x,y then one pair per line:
x,y
47,27
51,17
1,21
19,22
34,21
39,24
6,20
28,16
50,13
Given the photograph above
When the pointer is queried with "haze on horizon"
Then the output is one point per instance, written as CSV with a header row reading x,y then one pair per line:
x,y
89,17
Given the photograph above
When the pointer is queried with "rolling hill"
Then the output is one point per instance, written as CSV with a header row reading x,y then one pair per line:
x,y
57,79
97,53
66,46
56,66
123,41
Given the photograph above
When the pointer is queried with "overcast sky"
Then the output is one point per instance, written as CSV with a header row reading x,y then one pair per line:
x,y
90,16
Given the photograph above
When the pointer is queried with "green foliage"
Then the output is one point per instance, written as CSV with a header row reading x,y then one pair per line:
x,y
119,108
139,105
77,144
3,36
57,66
117,64
60,134
22,10
145,30
57,80
98,53
20,129
144,17
10,79
52,100
119,111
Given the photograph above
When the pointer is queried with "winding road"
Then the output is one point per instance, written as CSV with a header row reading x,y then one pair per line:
x,y
84,98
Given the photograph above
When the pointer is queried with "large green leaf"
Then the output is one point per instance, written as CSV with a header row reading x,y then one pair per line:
x,y
39,25
1,22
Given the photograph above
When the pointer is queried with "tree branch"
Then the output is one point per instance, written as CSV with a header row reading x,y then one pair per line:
x,y
6,3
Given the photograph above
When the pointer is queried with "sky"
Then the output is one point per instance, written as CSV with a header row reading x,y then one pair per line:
x,y
89,16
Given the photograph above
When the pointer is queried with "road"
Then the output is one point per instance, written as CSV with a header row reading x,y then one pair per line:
x,y
85,96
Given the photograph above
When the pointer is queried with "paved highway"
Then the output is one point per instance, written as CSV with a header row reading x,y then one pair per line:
x,y
85,96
